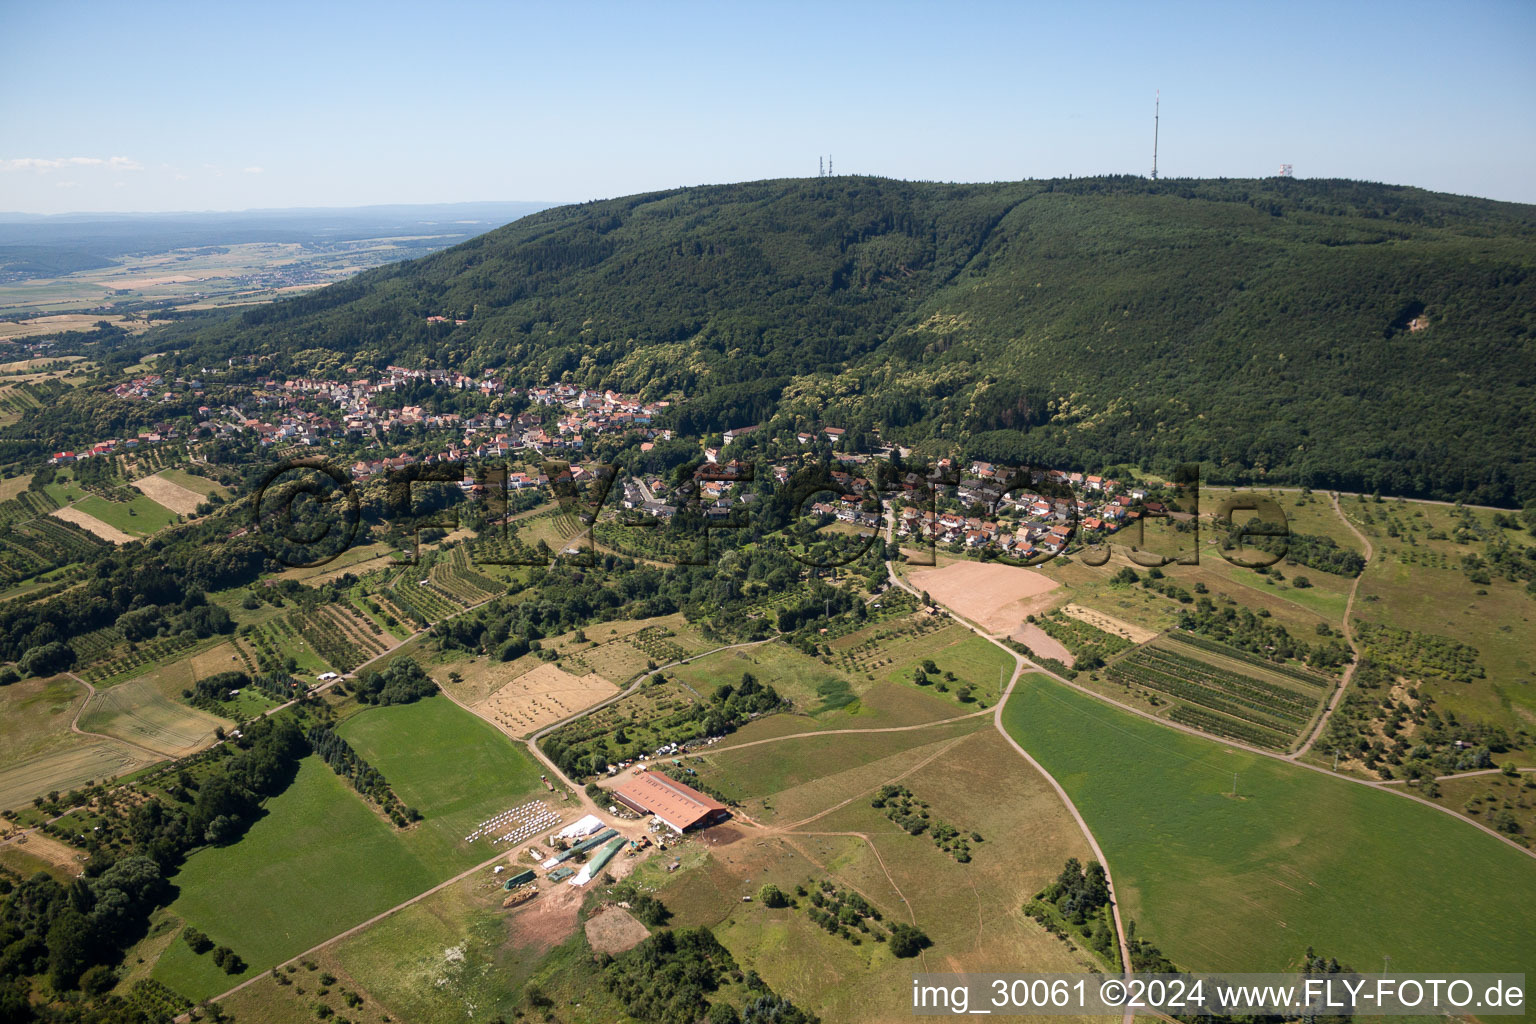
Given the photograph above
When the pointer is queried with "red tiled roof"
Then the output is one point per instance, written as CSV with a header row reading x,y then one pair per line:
x,y
678,805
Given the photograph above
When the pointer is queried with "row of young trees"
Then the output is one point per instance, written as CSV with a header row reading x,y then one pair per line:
x,y
75,934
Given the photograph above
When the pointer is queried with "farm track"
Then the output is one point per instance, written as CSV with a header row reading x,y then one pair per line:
x,y
74,724
356,928
1349,636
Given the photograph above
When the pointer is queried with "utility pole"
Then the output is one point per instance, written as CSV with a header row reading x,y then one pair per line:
x,y
1157,110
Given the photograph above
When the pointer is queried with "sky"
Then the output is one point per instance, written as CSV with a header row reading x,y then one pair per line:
x,y
227,106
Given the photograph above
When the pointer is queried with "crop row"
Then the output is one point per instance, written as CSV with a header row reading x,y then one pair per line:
x,y
96,644
1217,647
1080,638
1225,695
427,603
1195,694
1225,679
1221,725
156,650
327,638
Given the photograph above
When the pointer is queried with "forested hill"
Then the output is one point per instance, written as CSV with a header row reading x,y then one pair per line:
x,y
1330,332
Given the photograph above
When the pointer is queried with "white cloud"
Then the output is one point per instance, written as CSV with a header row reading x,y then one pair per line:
x,y
45,165
254,170
65,184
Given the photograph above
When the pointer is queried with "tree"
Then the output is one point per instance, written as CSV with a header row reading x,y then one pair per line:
x,y
772,897
198,942
723,1013
70,948
98,980
908,941
46,659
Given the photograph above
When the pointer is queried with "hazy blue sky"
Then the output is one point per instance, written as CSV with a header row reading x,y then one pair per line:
x,y
153,106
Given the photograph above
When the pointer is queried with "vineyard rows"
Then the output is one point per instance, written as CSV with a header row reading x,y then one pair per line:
x,y
341,637
1234,701
1217,647
1221,725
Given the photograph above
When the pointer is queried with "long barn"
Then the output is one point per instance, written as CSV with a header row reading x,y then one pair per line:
x,y
680,807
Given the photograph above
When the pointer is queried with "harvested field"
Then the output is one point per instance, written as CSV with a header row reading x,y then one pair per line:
x,y
173,496
542,697
1109,624
66,769
91,524
138,712
998,597
614,931
1043,644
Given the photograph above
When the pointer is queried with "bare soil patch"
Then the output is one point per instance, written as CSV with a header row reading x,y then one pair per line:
x,y
998,597
1109,624
547,920
614,930
541,697
1043,644
91,524
49,849
179,499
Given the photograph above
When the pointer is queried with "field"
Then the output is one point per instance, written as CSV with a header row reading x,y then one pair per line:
x,y
10,487
789,779
997,597
1108,623
64,322
337,863
1296,859
65,769
89,523
1221,690
796,676
140,713
39,753
170,494
196,277
192,482
543,696
972,911
1417,581
37,716
140,517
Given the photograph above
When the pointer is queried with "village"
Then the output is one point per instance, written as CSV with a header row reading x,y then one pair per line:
x,y
986,509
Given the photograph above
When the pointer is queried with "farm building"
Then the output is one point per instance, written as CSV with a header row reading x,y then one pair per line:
x,y
680,807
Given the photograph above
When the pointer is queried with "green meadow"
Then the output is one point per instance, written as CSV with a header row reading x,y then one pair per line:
x,y
1295,859
141,517
322,860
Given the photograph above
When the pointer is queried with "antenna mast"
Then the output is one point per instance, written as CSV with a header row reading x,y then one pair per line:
x,y
1157,110
821,167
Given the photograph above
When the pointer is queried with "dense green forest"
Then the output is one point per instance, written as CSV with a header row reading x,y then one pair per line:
x,y
1333,333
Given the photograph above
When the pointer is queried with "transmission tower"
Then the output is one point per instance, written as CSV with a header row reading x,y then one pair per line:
x,y
1285,171
821,167
1157,110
